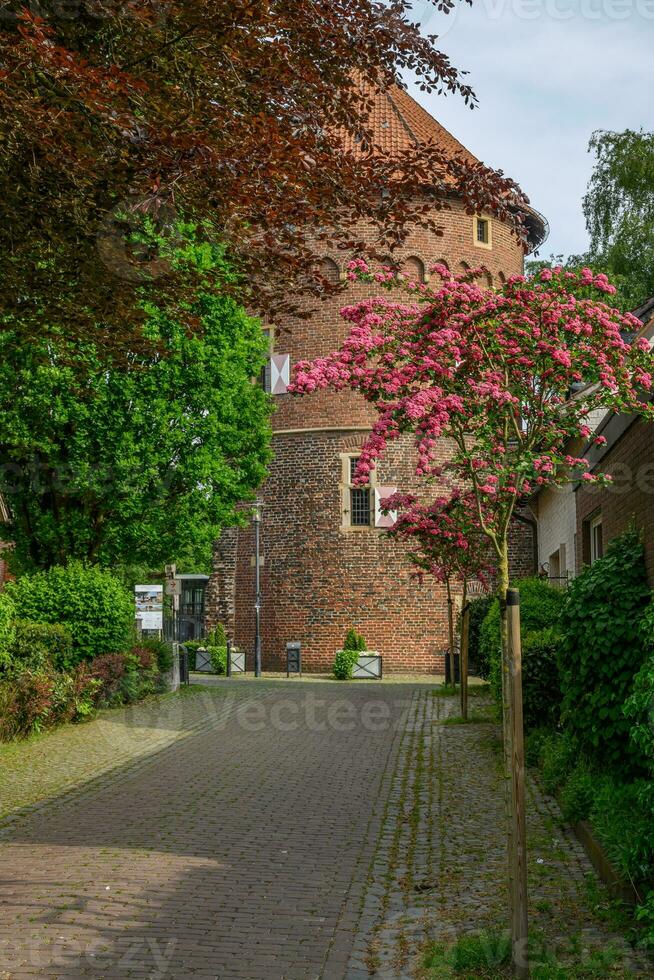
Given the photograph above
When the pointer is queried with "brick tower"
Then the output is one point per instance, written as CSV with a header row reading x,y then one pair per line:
x,y
327,565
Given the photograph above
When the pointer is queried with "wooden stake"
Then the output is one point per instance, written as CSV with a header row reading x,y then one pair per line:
x,y
450,627
518,850
464,652
465,638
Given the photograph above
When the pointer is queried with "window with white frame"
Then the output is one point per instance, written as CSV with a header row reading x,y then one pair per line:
x,y
362,506
359,498
596,538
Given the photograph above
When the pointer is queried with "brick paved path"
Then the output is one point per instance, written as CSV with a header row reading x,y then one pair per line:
x,y
238,846
270,830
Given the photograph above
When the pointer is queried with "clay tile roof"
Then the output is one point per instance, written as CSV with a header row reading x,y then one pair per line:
x,y
400,123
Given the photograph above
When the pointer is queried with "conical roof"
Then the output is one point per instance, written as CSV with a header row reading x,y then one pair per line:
x,y
399,123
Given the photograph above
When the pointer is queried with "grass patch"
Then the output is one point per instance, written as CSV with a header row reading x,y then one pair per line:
x,y
474,718
445,691
486,955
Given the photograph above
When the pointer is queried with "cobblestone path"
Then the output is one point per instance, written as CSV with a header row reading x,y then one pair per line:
x,y
270,830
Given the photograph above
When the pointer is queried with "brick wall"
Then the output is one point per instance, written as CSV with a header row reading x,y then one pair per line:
x,y
319,578
631,497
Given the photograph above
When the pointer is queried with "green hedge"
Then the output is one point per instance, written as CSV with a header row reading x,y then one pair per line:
x,y
540,608
602,651
38,646
7,614
93,604
478,609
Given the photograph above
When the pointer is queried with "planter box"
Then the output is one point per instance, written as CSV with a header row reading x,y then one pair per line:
x,y
203,663
368,666
235,661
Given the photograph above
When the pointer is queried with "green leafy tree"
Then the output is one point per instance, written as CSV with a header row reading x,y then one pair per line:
x,y
619,210
142,461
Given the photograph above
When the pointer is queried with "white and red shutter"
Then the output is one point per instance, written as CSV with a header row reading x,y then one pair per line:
x,y
384,520
280,373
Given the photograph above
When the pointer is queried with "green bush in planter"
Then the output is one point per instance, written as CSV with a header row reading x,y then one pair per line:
x,y
7,629
344,664
218,658
348,656
39,645
354,641
91,602
601,652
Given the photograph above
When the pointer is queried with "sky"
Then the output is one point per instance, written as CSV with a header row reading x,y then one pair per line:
x,y
547,73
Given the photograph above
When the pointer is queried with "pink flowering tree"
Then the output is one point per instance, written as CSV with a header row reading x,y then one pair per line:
x,y
445,540
510,376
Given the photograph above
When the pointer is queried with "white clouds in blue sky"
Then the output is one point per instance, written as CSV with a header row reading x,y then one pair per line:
x,y
547,73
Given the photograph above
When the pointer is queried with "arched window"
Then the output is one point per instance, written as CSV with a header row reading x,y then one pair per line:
x,y
414,269
329,270
488,279
502,277
463,267
442,262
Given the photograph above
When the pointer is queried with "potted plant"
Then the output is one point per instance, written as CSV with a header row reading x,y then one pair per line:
x,y
355,662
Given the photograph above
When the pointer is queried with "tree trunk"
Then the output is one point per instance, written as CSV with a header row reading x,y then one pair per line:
x,y
450,627
513,764
465,633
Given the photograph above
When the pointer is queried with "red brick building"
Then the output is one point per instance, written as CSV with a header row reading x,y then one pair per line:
x,y
327,565
602,513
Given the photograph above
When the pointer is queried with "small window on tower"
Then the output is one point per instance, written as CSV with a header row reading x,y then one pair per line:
x,y
482,232
359,499
357,502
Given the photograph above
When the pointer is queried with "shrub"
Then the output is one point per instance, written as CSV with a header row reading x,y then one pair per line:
x,y
558,757
7,615
344,664
25,703
478,610
623,819
354,641
638,709
601,651
577,793
192,647
217,637
109,669
73,696
97,609
38,646
541,689
145,657
218,657
645,915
